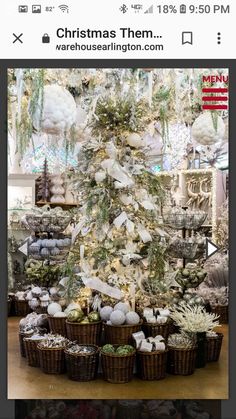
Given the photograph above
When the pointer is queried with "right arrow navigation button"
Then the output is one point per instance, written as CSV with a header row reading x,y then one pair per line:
x,y
211,248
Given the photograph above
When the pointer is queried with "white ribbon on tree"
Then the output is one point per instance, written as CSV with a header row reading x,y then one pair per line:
x,y
123,219
97,284
117,172
78,229
144,235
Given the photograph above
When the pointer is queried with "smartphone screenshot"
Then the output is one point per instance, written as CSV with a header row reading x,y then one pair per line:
x,y
117,127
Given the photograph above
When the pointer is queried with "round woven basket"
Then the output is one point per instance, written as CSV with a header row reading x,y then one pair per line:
x,y
22,308
152,365
31,351
57,325
88,333
82,367
52,360
117,369
181,361
120,335
21,341
223,312
152,330
9,307
214,347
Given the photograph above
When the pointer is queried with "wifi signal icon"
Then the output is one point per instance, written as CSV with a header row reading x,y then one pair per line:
x,y
64,8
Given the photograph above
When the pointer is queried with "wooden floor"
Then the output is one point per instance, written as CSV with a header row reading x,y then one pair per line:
x,y
25,382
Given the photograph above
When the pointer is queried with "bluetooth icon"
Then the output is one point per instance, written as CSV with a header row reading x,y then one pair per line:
x,y
123,8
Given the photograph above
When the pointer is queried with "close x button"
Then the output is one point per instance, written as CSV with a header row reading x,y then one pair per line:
x,y
17,38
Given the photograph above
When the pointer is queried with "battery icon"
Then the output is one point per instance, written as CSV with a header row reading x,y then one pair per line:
x,y
182,8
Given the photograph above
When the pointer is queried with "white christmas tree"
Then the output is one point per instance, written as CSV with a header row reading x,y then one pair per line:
x,y
119,243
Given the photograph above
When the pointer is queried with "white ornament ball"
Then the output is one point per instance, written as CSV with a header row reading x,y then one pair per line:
x,y
134,140
58,190
204,132
60,314
58,199
67,241
45,252
60,243
125,307
59,111
100,176
132,318
55,251
50,243
54,308
105,313
117,317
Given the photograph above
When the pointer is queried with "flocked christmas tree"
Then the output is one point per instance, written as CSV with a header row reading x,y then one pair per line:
x,y
43,184
119,240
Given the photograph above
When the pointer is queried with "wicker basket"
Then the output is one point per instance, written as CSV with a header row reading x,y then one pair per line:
x,y
117,369
21,341
22,308
221,311
120,335
152,330
31,351
152,365
57,325
82,367
214,347
181,361
52,360
9,307
85,333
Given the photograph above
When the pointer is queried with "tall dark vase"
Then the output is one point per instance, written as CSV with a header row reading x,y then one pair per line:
x,y
201,358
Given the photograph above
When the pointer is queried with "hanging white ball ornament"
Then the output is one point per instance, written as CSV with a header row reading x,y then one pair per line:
x,y
58,113
208,129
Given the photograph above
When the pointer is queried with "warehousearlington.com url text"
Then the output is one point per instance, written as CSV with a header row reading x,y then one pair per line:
x,y
113,46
